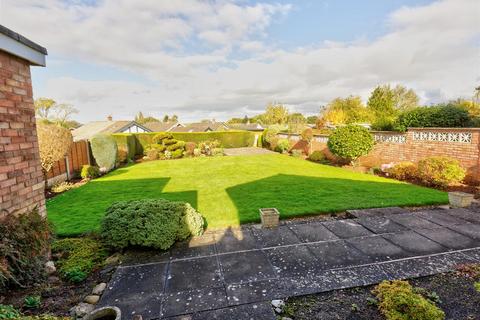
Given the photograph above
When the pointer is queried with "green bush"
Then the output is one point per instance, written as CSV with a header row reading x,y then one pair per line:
x,y
177,154
78,257
350,142
442,116
90,172
24,243
403,171
9,312
158,138
149,223
168,142
440,171
282,145
317,156
177,145
104,149
32,302
126,141
296,153
207,147
398,301
269,136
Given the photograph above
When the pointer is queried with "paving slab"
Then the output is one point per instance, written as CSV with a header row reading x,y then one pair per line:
x,y
440,217
147,305
176,303
246,267
256,291
375,212
414,243
467,215
358,276
191,274
449,238
144,256
274,237
253,311
474,254
235,240
194,247
313,232
338,254
293,261
347,228
380,224
413,221
378,248
135,281
469,229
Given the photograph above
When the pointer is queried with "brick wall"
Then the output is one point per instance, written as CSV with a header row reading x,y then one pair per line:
x,y
462,144
21,178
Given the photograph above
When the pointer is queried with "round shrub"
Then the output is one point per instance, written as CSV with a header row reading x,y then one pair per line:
x,y
161,136
176,146
154,223
168,142
190,148
317,156
282,145
90,172
177,154
350,142
440,171
104,149
403,171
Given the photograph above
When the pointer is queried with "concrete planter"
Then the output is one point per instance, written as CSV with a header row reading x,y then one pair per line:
x,y
105,313
460,199
270,217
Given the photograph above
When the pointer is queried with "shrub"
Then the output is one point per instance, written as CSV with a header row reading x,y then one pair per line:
x,y
397,301
282,145
197,152
78,257
90,172
62,187
24,242
190,148
32,302
207,147
444,116
9,312
127,142
307,135
149,223
104,149
177,154
403,171
54,142
155,146
158,138
350,142
317,156
269,136
440,171
297,153
177,145
122,155
152,154
168,142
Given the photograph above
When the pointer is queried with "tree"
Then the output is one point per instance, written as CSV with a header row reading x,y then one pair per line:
x,y
245,119
476,96
345,111
275,113
174,118
166,118
43,106
296,121
49,111
312,119
139,118
404,99
54,142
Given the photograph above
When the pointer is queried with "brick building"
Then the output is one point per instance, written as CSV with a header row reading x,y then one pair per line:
x,y
21,178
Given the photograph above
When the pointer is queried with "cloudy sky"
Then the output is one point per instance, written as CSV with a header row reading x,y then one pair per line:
x,y
224,58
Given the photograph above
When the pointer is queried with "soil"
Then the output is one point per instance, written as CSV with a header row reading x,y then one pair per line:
x,y
456,293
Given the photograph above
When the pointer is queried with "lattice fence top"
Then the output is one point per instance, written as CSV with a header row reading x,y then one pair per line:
x,y
390,138
461,137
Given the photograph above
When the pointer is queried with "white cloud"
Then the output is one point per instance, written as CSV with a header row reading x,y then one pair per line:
x,y
189,50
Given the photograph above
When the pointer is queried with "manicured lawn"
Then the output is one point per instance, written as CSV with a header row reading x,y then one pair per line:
x,y
230,190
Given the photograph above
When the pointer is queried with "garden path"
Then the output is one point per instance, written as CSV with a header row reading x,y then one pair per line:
x,y
235,273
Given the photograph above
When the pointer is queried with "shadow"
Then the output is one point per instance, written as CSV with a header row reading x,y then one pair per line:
x,y
81,210
295,195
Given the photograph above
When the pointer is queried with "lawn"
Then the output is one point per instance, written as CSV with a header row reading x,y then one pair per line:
x,y
230,190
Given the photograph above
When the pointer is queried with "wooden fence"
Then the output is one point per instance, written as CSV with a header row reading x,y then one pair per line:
x,y
66,169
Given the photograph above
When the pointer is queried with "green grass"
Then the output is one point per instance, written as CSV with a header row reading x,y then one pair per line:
x,y
230,190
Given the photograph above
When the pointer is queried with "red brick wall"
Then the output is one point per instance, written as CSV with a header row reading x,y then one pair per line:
x,y
21,178
467,153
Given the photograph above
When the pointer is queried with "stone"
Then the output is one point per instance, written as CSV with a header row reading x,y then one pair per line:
x,y
278,310
91,299
460,199
50,267
53,280
81,310
270,217
99,288
113,259
278,303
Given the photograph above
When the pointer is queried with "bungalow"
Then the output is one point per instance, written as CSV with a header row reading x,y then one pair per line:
x,y
157,126
87,131
246,126
202,127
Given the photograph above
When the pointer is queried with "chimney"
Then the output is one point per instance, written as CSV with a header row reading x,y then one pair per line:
x,y
110,118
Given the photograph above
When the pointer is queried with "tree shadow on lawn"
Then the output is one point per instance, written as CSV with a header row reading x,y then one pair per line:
x,y
81,210
295,195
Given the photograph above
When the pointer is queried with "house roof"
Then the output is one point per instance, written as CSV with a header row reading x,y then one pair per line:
x,y
247,126
201,127
87,131
158,126
17,45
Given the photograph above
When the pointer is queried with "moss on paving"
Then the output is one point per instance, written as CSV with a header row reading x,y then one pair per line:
x,y
229,190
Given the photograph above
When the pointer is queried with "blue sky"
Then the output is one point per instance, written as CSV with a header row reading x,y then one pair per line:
x,y
220,59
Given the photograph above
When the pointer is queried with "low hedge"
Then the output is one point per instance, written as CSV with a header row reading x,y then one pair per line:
x,y
126,141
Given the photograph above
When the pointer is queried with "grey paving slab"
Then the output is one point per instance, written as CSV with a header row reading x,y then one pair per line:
x,y
274,237
414,243
144,256
135,281
320,281
338,254
449,238
146,305
358,276
195,247
380,224
375,212
246,267
413,221
440,217
467,215
293,261
474,254
313,232
193,274
177,303
347,228
256,291
252,311
378,248
235,240
469,229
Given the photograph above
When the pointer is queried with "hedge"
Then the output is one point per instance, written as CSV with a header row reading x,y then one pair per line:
x,y
227,139
127,142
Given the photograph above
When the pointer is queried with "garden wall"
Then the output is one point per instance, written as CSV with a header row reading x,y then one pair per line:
x,y
462,144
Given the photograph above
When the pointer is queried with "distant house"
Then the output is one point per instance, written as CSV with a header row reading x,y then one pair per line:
x,y
201,127
158,126
246,126
87,131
